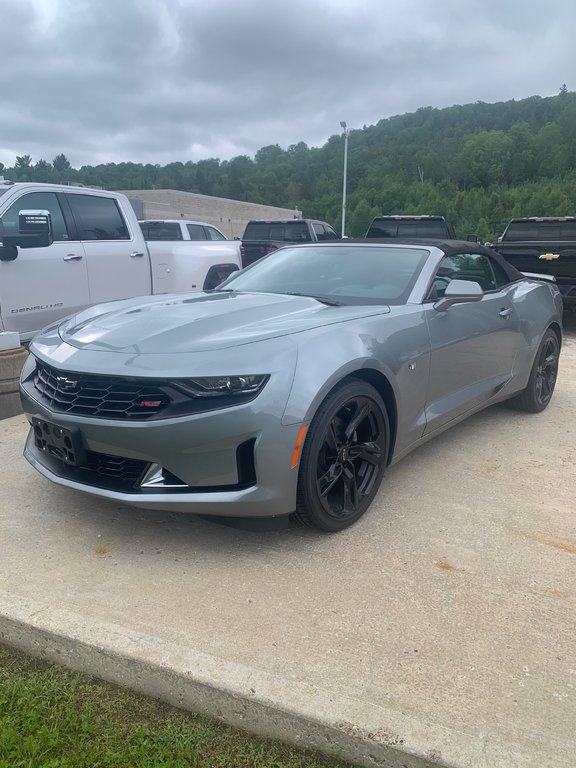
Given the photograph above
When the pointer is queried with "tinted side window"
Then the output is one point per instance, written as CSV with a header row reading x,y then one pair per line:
x,y
214,234
500,275
45,201
98,218
323,232
319,230
463,266
166,231
196,232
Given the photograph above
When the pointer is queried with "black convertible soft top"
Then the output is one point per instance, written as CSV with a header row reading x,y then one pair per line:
x,y
450,248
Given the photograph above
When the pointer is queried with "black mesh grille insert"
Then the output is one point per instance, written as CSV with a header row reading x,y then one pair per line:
x,y
103,466
105,397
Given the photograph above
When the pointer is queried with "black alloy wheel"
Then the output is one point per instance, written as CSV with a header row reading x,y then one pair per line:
x,y
344,457
542,381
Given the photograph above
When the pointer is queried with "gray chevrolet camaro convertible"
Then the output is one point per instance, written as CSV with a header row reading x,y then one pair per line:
x,y
291,388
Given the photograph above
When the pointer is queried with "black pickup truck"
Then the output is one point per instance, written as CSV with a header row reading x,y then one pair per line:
x,y
543,245
411,227
263,237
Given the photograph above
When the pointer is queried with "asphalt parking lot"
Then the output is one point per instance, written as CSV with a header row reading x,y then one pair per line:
x,y
437,630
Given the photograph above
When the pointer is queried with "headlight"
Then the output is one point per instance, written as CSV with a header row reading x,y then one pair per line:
x,y
214,386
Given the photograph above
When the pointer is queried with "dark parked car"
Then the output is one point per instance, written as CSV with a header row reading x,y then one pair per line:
x,y
290,388
263,237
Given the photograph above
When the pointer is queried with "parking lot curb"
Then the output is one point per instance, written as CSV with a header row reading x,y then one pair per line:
x,y
286,710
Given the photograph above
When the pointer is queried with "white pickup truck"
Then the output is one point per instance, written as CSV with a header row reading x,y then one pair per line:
x,y
190,244
95,252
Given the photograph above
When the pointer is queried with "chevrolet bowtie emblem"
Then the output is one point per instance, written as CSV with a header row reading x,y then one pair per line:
x,y
66,384
549,256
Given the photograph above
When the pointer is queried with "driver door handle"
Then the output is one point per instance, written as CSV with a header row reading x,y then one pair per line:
x,y
72,257
505,313
136,255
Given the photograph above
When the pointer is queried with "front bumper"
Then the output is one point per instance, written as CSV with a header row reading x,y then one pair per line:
x,y
234,462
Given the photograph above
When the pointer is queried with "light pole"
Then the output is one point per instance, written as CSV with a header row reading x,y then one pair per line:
x,y
345,134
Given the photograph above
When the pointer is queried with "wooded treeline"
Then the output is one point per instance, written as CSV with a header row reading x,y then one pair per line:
x,y
478,164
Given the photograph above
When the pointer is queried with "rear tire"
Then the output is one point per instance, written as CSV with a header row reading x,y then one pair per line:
x,y
344,457
540,388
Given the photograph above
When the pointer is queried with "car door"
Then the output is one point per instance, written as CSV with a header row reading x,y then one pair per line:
x,y
118,265
42,285
473,344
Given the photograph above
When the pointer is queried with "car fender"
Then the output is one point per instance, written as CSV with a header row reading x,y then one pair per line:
x,y
385,346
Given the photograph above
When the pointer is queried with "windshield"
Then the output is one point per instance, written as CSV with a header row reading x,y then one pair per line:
x,y
408,228
352,274
541,230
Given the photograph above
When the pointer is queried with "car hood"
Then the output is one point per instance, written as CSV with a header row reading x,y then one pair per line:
x,y
184,323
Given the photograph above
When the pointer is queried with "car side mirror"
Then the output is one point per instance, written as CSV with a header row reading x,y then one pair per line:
x,y
472,238
34,231
459,292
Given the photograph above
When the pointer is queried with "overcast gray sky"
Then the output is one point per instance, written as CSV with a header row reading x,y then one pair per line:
x,y
163,80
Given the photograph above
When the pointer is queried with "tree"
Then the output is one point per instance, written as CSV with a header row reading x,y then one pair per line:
x,y
361,217
23,162
61,163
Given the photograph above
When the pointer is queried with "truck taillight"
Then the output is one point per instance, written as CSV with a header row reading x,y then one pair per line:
x,y
242,252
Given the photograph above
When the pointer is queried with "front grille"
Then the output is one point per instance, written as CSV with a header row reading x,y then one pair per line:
x,y
105,397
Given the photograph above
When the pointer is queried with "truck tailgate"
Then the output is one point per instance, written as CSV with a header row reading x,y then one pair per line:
x,y
556,259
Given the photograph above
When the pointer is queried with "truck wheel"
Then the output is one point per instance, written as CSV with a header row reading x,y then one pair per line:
x,y
344,457
217,274
542,379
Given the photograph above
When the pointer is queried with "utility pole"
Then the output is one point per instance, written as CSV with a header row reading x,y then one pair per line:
x,y
345,134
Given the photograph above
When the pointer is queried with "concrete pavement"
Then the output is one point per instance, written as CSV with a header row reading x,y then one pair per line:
x,y
439,630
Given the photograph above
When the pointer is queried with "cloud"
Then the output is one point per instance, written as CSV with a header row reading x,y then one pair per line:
x,y
163,80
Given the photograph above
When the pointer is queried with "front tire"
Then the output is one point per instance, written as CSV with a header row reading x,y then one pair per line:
x,y
344,457
542,381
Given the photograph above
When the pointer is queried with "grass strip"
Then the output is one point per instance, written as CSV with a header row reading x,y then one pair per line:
x,y
51,717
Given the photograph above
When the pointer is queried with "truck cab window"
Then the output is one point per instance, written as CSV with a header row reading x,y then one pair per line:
x,y
45,201
324,232
98,218
214,234
165,231
196,232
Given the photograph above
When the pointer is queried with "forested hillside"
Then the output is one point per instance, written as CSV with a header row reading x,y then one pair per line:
x,y
478,164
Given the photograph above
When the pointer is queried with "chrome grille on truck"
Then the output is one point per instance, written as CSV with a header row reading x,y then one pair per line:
x,y
104,397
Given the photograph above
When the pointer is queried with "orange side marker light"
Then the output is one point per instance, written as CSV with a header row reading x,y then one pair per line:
x,y
298,446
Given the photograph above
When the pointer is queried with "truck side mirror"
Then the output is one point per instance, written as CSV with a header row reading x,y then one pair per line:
x,y
472,238
8,252
34,231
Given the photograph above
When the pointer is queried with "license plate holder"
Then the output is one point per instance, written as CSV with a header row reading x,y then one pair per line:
x,y
61,443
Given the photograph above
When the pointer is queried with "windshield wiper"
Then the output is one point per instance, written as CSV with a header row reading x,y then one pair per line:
x,y
322,299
